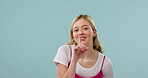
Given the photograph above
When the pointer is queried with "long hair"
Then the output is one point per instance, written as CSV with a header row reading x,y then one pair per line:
x,y
96,43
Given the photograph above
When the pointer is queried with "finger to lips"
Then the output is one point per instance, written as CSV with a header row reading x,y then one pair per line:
x,y
84,48
81,45
79,41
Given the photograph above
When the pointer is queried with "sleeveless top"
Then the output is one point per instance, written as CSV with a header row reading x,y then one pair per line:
x,y
99,75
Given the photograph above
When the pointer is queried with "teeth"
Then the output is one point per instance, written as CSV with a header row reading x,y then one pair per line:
x,y
82,37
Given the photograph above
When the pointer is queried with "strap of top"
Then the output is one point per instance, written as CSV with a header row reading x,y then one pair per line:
x,y
70,55
70,51
103,62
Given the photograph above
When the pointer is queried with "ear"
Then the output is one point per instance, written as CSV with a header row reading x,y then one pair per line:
x,y
95,32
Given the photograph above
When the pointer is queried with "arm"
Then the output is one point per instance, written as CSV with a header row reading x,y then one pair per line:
x,y
66,72
108,72
69,72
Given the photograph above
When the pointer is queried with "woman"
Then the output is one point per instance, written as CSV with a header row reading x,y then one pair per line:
x,y
82,57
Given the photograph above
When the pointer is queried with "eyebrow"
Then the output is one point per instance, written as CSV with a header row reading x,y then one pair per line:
x,y
82,26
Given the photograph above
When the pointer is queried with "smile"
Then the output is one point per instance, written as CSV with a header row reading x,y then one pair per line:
x,y
82,38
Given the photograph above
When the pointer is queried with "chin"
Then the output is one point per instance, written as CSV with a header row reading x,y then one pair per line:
x,y
84,43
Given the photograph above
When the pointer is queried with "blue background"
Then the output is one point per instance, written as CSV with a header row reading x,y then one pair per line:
x,y
32,30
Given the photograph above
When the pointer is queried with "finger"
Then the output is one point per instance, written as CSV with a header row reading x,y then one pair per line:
x,y
85,49
76,48
82,47
79,41
79,48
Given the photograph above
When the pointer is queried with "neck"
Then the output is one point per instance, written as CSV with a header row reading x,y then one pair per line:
x,y
90,53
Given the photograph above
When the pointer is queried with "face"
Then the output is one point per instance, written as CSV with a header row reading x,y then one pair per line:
x,y
82,32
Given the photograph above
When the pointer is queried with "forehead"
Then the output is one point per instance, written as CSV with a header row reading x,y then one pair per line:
x,y
81,22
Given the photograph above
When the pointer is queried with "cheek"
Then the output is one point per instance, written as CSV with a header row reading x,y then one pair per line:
x,y
89,33
74,35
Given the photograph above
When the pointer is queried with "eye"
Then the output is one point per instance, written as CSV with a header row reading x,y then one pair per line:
x,y
75,30
85,28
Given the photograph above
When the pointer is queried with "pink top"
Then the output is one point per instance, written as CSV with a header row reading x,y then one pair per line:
x,y
99,75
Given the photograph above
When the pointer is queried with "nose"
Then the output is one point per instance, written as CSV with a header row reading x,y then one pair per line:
x,y
81,32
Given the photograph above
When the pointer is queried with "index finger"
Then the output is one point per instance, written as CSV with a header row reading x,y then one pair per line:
x,y
79,41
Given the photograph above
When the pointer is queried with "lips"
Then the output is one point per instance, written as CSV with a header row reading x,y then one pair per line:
x,y
83,37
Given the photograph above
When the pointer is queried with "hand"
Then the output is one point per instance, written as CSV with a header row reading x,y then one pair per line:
x,y
79,50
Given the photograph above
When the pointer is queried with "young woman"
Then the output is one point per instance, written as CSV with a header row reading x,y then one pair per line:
x,y
82,57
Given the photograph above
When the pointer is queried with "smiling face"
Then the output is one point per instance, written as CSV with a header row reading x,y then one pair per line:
x,y
82,32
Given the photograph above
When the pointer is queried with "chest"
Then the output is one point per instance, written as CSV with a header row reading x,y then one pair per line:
x,y
87,63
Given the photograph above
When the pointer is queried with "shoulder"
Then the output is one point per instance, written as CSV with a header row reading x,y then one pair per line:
x,y
65,48
107,60
107,67
63,55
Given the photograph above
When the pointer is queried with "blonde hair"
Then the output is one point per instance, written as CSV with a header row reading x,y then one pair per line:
x,y
96,43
